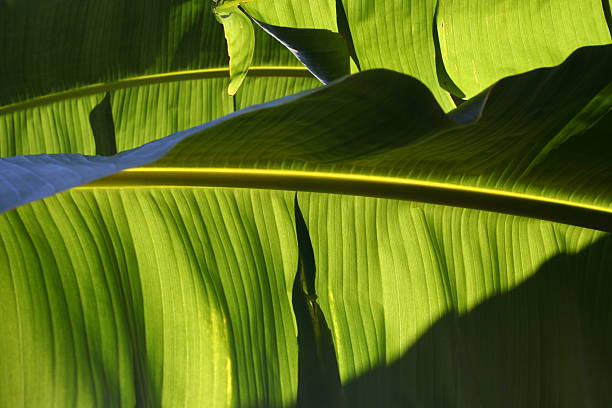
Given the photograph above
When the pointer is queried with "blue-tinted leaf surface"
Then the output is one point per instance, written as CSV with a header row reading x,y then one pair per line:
x,y
543,134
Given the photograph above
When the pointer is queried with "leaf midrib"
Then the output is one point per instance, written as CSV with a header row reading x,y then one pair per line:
x,y
503,201
176,76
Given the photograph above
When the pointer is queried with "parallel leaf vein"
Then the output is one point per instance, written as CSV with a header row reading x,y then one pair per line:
x,y
257,71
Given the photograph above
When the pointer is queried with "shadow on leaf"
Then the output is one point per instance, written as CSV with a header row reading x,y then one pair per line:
x,y
546,343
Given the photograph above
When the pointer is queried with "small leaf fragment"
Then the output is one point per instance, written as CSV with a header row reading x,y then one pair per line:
x,y
240,38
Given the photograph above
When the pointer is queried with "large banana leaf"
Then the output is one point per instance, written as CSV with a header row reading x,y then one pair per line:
x,y
183,299
357,128
535,140
151,288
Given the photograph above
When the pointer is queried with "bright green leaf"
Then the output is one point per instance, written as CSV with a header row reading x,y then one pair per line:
x,y
289,13
482,42
149,298
150,288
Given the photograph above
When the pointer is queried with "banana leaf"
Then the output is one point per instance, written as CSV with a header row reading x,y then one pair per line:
x,y
467,263
162,286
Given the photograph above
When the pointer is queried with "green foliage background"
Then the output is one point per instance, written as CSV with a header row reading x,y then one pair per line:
x,y
153,294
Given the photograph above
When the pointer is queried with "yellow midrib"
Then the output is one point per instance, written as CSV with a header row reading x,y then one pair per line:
x,y
521,204
257,71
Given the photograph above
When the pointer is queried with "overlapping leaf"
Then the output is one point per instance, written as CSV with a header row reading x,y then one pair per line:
x,y
535,137
323,52
532,139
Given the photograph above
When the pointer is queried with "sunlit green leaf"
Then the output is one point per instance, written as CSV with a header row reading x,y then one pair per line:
x,y
455,269
288,13
149,298
482,42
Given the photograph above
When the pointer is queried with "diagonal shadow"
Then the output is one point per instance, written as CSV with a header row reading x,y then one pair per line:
x,y
546,343
318,376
